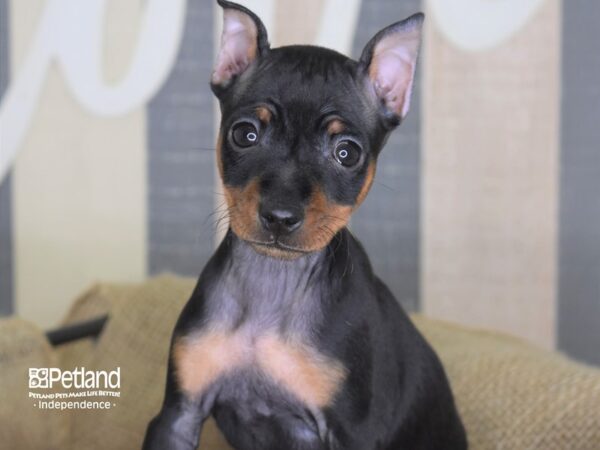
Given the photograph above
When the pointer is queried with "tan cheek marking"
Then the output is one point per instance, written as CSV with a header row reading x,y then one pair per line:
x,y
312,377
200,361
335,127
263,114
243,207
366,185
219,150
322,221
324,218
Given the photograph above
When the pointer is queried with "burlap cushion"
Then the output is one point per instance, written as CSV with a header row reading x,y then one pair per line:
x,y
23,425
514,396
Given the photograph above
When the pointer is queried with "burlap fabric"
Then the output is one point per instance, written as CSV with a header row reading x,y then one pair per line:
x,y
510,395
23,426
514,396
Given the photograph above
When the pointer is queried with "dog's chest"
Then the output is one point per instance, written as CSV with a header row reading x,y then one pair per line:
x,y
267,361
268,392
256,356
260,318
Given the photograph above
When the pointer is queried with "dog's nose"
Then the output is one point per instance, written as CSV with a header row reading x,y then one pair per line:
x,y
280,221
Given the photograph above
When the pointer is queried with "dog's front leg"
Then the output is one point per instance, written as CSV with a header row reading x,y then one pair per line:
x,y
178,424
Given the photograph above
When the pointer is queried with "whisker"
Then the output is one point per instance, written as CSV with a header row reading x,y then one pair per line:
x,y
386,186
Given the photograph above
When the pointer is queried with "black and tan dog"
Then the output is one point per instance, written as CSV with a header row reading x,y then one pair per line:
x,y
289,340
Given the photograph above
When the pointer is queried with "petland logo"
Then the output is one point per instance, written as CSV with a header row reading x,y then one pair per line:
x,y
81,385
79,378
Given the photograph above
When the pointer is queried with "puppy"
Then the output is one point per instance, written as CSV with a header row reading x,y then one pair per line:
x,y
289,339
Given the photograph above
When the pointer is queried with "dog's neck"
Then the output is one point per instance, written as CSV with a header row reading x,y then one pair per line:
x,y
267,276
265,292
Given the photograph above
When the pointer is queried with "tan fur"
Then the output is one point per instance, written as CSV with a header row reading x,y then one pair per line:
x,y
308,375
366,187
335,127
201,360
264,114
243,209
323,220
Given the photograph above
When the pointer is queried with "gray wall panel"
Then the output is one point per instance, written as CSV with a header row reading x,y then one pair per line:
x,y
181,159
6,245
579,264
388,222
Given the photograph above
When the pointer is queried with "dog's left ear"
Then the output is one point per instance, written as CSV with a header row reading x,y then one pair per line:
x,y
243,40
389,60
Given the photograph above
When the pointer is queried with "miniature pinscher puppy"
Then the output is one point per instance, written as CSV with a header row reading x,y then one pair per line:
x,y
289,339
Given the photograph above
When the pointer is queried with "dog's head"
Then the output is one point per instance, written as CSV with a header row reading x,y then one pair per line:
x,y
302,127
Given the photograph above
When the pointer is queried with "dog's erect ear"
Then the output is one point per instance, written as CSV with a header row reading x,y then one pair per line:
x,y
389,60
243,40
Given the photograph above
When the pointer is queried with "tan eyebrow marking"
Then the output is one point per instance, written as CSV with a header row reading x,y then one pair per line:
x,y
264,114
336,126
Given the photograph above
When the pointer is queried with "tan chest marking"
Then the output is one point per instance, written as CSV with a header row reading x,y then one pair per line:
x,y
310,376
200,360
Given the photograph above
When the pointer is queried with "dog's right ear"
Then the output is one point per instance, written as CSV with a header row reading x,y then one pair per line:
x,y
244,39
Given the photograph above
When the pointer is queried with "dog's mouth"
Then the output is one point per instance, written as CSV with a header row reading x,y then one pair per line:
x,y
276,247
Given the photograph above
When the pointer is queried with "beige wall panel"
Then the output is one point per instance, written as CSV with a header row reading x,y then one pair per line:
x,y
296,22
490,180
79,181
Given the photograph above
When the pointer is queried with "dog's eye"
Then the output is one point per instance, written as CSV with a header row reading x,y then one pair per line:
x,y
245,134
347,153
